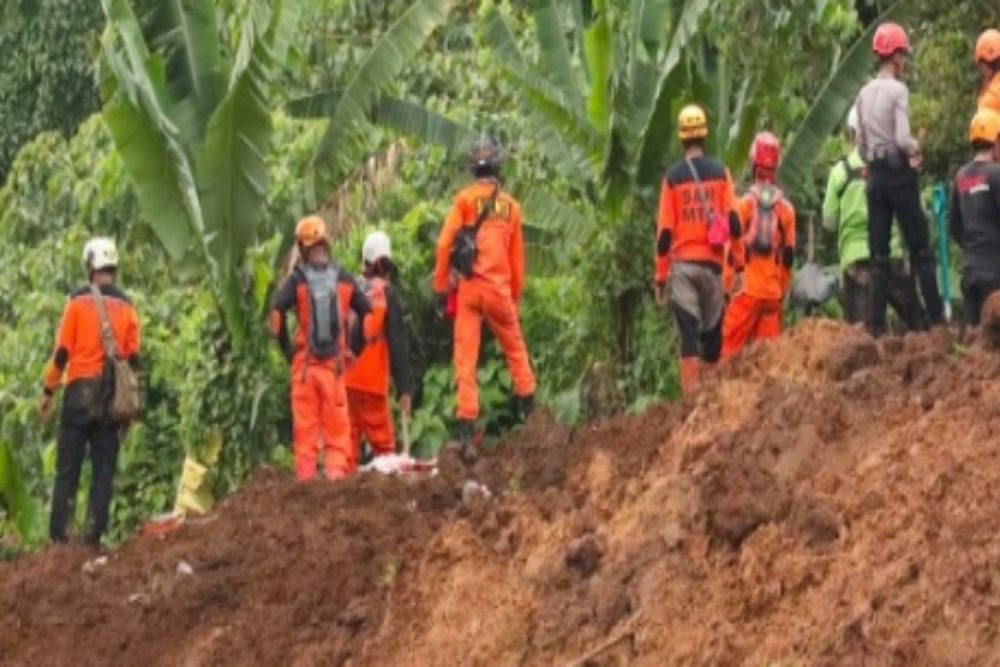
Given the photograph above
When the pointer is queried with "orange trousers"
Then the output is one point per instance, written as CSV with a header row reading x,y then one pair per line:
x,y
477,301
371,420
320,419
748,319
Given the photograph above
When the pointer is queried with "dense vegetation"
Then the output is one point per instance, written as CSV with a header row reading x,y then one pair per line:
x,y
138,145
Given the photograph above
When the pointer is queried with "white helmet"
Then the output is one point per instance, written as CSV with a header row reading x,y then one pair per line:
x,y
852,120
376,246
100,253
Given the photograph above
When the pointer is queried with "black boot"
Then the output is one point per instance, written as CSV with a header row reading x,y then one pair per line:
x,y
878,298
926,273
466,433
526,405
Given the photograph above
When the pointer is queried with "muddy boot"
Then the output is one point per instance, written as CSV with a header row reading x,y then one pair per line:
x,y
523,407
466,433
690,369
878,299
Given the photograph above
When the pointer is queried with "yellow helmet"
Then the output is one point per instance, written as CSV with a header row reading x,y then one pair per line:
x,y
985,127
692,123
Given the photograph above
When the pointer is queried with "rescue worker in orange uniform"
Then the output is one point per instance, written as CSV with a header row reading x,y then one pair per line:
x,y
368,374
768,236
322,294
80,357
697,220
480,253
988,62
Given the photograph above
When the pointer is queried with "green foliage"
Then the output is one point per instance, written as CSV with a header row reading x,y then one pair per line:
x,y
194,385
47,82
944,81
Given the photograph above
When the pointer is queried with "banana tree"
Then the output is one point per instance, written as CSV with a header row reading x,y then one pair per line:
x,y
191,119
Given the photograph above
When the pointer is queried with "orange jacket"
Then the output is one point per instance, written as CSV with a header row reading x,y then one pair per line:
x,y
386,349
990,96
294,293
682,227
79,352
766,276
500,260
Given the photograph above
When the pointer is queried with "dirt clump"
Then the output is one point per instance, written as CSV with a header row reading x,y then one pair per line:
x,y
823,500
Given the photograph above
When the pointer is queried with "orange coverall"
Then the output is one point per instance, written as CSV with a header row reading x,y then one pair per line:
x,y
493,292
368,374
319,396
755,312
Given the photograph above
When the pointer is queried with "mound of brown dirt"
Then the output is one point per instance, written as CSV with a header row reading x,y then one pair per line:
x,y
824,500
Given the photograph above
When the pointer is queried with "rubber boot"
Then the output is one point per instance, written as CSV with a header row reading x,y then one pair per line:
x,y
927,280
878,291
690,369
466,432
523,407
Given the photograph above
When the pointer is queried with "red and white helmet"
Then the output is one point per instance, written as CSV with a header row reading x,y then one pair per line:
x,y
765,151
890,39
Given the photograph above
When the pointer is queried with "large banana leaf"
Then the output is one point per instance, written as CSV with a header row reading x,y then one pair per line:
x,y
599,48
746,116
651,19
232,173
833,103
186,33
657,121
144,135
421,123
554,51
380,69
562,133
647,30
553,231
232,168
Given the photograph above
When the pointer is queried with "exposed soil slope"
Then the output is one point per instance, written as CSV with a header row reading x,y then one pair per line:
x,y
825,500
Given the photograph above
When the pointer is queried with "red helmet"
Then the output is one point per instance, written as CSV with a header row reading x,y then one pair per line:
x,y
765,151
890,39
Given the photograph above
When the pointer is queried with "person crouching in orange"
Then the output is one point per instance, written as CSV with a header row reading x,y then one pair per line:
x,y
321,294
368,375
768,236
481,252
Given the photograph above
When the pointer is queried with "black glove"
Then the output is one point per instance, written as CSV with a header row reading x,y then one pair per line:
x,y
440,303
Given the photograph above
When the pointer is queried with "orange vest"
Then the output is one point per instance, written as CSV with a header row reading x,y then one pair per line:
x,y
80,339
369,371
500,242
683,213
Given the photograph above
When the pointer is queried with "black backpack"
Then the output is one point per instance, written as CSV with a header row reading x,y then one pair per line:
x,y
324,311
464,248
